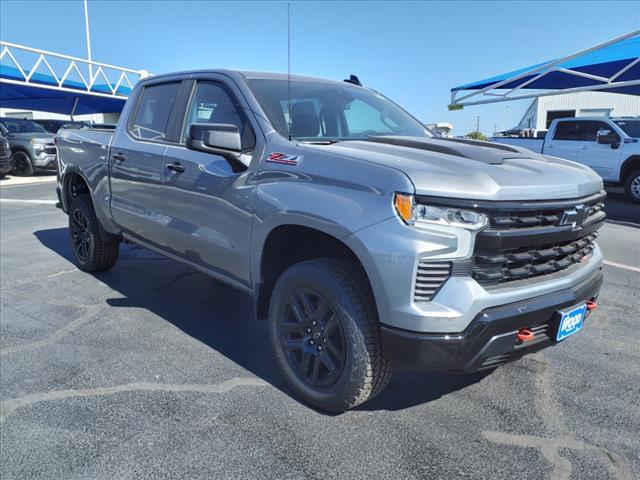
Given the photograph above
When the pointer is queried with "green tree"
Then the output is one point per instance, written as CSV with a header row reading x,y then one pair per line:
x,y
476,136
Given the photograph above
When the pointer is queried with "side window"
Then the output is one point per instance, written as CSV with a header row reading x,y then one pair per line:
x,y
595,127
211,103
153,112
569,131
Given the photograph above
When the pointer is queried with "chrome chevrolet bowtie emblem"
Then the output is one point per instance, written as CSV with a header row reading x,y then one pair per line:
x,y
574,216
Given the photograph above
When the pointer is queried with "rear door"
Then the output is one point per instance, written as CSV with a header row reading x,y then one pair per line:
x,y
209,198
565,140
601,157
137,163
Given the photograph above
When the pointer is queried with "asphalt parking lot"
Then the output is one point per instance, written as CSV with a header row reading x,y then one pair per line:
x,y
153,370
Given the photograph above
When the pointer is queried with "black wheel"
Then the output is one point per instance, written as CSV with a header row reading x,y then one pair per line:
x,y
92,252
632,186
22,166
325,335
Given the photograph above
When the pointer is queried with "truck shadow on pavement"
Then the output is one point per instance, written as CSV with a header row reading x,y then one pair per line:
x,y
222,318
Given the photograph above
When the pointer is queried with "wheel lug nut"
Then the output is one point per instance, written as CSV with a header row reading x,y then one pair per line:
x,y
311,342
319,347
314,323
308,330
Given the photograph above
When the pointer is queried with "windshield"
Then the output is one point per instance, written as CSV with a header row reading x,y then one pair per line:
x,y
15,125
630,127
322,111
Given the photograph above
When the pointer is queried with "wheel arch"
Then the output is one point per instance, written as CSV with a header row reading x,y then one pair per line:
x,y
287,244
629,166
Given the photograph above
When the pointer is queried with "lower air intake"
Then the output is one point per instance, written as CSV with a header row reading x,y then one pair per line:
x,y
430,277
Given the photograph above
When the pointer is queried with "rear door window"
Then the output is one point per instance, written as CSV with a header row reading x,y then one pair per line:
x,y
154,111
574,131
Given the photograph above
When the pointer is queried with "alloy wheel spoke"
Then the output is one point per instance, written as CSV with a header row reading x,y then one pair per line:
x,y
316,370
304,364
296,344
328,362
333,349
331,325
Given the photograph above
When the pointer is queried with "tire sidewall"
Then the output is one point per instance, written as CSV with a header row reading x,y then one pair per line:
x,y
310,276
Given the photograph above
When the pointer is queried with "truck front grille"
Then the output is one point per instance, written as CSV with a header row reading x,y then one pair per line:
x,y
535,238
50,149
429,278
529,262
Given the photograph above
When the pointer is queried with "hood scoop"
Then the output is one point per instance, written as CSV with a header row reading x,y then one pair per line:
x,y
486,152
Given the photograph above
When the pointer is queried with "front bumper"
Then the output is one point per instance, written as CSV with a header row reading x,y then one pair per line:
x,y
490,339
45,161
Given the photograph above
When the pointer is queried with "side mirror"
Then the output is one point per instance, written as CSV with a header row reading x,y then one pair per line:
x,y
608,137
218,138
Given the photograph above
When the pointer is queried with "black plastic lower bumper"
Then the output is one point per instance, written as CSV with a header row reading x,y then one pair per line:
x,y
490,339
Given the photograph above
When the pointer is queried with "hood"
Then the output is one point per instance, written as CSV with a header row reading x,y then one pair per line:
x,y
475,170
41,137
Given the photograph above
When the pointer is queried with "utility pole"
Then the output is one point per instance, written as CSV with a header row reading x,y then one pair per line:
x,y
478,123
86,29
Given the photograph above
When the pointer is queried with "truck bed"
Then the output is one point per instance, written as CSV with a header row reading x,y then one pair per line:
x,y
82,147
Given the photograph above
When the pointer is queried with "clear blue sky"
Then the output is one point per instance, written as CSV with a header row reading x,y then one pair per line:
x,y
414,52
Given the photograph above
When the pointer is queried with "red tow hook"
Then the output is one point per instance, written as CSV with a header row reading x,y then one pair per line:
x,y
525,335
591,305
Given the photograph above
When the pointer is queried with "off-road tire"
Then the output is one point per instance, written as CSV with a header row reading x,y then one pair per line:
x,y
366,371
101,248
632,186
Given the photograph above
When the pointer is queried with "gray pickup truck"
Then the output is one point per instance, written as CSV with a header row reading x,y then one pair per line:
x,y
32,147
366,243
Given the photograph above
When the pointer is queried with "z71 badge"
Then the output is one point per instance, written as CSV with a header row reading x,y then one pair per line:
x,y
283,158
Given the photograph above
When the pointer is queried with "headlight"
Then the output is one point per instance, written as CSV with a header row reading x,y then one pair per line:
x,y
36,144
419,215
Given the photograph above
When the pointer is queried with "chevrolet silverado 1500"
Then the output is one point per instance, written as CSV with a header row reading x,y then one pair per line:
x,y
366,243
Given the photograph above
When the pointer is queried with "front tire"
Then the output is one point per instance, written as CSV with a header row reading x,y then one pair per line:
x,y
325,334
632,186
22,164
92,252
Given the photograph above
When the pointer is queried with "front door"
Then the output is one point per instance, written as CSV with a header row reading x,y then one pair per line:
x,y
137,165
208,198
601,157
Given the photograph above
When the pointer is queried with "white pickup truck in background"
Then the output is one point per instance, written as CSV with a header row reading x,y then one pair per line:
x,y
610,146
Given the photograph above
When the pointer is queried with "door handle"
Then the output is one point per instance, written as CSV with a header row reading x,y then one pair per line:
x,y
175,167
584,147
119,157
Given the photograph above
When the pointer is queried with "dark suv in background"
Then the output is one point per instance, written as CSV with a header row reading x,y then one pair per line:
x,y
5,156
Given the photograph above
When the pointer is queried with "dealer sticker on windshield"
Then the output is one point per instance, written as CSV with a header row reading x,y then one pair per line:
x,y
571,321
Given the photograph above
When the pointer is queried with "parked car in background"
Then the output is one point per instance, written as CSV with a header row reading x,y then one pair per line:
x,y
52,126
367,243
5,156
610,146
32,147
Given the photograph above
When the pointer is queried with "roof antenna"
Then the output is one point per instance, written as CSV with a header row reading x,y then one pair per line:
x,y
289,69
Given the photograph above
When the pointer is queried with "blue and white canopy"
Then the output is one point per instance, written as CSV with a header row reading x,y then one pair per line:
x,y
62,84
613,66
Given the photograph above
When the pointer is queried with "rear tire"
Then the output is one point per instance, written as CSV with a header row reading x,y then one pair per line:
x,y
94,249
632,186
22,165
325,335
